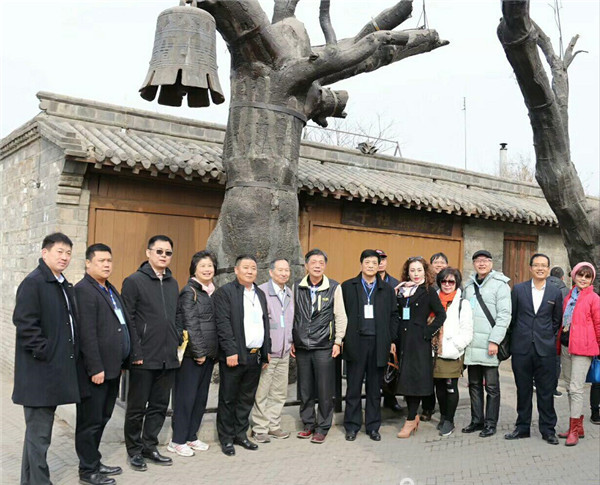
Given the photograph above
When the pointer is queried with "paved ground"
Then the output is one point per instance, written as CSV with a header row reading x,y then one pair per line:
x,y
426,458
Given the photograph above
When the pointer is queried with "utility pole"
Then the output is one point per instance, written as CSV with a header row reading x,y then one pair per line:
x,y
464,109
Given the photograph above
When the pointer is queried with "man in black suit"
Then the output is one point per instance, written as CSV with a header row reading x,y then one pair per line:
x,y
105,346
244,345
536,319
46,351
372,326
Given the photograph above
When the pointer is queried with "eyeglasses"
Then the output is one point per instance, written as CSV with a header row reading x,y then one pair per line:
x,y
160,252
448,282
483,261
415,258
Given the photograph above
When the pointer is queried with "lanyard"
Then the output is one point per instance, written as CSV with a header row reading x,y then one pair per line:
x,y
112,298
368,293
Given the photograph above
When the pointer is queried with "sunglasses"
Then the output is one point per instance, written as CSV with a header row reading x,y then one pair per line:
x,y
448,282
160,252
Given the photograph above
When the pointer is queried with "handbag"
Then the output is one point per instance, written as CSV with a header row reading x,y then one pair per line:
x,y
390,374
593,374
186,337
504,346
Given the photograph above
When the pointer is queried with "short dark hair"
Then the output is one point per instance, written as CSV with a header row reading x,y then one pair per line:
x,y
54,238
272,264
557,272
160,237
240,258
315,252
200,255
449,271
370,253
429,276
91,250
438,255
538,255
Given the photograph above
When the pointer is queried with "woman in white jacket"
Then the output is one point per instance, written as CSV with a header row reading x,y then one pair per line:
x,y
449,346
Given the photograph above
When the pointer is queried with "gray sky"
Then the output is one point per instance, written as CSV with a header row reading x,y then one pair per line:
x,y
100,50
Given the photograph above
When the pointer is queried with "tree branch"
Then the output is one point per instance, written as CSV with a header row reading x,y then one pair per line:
x,y
325,21
420,41
389,19
284,9
569,54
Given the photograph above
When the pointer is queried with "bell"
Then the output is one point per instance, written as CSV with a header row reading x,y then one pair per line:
x,y
184,58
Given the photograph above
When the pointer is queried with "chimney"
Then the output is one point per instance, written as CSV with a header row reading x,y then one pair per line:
x,y
503,161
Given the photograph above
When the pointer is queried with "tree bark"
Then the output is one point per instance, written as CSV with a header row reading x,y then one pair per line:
x,y
548,114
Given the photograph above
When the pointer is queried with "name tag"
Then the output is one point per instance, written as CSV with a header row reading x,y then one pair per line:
x,y
369,311
120,316
282,321
406,313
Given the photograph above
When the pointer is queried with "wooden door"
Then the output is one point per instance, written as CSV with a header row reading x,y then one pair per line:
x,y
518,249
343,245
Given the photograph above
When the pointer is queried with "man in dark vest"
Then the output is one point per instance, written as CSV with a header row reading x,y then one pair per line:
x,y
105,346
372,326
46,352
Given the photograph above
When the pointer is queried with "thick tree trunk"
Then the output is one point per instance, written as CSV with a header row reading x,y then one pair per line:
x,y
555,173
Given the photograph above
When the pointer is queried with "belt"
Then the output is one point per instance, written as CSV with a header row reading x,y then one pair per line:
x,y
253,351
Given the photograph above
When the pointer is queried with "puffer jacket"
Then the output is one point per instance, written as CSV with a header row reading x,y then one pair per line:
x,y
196,314
584,334
321,325
496,295
457,331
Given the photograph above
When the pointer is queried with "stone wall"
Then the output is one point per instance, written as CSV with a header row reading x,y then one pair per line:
x,y
40,193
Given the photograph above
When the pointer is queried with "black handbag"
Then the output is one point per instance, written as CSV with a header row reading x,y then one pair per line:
x,y
504,346
390,374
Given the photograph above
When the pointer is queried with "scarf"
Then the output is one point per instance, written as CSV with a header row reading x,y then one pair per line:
x,y
568,316
406,291
446,298
210,289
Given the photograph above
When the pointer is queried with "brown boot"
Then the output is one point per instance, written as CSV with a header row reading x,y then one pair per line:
x,y
573,437
581,432
410,427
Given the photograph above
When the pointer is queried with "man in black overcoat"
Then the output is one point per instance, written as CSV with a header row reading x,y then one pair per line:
x,y
244,345
46,352
536,320
372,326
105,346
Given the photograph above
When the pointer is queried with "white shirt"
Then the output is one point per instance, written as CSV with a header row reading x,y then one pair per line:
x,y
254,331
60,278
537,296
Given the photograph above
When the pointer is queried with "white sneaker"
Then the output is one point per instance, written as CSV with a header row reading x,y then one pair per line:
x,y
198,445
181,450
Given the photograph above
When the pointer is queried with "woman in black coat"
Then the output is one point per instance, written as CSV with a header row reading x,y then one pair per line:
x,y
417,301
196,315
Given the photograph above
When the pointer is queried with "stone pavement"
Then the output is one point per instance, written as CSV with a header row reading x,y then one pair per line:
x,y
425,458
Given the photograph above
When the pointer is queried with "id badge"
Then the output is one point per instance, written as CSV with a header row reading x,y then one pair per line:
x,y
406,313
369,311
282,321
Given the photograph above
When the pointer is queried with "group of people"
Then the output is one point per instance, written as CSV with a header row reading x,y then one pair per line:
x,y
73,342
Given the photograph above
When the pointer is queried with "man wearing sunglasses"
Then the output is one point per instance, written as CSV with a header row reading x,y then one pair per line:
x,y
150,296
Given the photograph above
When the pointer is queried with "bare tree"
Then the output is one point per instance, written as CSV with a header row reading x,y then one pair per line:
x,y
521,169
548,113
278,83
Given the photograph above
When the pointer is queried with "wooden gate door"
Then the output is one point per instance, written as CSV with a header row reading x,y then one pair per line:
x,y
518,249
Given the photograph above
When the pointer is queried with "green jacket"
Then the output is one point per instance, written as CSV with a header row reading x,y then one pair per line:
x,y
496,295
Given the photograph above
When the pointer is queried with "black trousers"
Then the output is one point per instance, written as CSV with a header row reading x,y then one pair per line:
x,y
38,432
237,390
526,368
316,380
429,402
190,394
447,394
595,397
93,413
477,374
365,366
147,403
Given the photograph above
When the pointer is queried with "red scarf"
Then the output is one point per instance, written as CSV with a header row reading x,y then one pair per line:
x,y
446,298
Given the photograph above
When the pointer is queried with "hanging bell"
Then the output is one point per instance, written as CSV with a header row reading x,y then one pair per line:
x,y
184,59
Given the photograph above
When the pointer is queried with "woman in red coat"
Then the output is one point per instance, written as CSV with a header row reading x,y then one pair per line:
x,y
579,341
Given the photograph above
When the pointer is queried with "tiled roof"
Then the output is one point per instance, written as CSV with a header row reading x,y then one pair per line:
x,y
112,136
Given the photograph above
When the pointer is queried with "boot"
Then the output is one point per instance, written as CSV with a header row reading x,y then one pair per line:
x,y
410,427
573,437
581,432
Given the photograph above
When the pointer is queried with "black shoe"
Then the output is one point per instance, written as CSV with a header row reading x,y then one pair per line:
x,y
393,405
96,479
550,438
516,434
487,432
374,435
246,443
110,470
156,458
441,423
138,463
472,427
426,415
350,435
228,449
595,417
